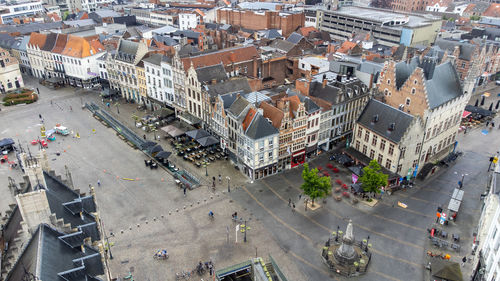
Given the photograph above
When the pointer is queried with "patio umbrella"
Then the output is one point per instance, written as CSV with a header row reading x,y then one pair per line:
x,y
197,134
477,102
482,100
207,141
147,145
163,154
155,149
446,270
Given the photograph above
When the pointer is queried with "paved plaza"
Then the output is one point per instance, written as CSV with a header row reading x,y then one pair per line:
x,y
143,210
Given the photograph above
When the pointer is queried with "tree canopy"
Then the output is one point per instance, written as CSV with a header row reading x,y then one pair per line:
x,y
314,185
372,178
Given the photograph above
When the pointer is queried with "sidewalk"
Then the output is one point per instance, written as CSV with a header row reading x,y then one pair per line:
x,y
219,167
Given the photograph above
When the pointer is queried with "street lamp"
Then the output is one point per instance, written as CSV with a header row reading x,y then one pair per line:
x,y
117,108
462,181
228,179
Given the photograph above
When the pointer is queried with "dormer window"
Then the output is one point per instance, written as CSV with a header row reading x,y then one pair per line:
x,y
392,126
375,118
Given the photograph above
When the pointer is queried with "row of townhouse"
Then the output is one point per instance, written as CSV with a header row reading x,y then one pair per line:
x,y
70,58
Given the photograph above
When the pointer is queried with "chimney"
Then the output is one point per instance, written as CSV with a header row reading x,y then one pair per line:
x,y
324,80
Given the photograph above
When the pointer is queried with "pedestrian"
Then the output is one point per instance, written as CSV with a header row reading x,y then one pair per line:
x,y
465,130
184,191
293,208
213,185
464,260
38,91
51,102
289,202
107,104
493,124
300,196
220,179
98,183
305,201
144,136
40,116
487,123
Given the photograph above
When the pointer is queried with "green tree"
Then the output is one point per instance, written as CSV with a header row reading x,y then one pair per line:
x,y
315,186
372,178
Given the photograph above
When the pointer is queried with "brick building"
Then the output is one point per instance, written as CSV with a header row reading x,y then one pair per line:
x,y
288,22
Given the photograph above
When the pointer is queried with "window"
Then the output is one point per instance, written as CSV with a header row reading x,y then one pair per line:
x,y
400,166
391,149
372,153
261,157
357,145
382,145
388,81
388,164
367,136
365,148
415,82
403,150
380,158
415,163
270,155
271,144
413,91
463,64
374,140
408,101
418,148
360,132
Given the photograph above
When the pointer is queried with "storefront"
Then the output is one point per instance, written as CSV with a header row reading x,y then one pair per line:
x,y
298,158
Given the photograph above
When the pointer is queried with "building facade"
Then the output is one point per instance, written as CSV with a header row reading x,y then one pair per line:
x,y
20,9
10,75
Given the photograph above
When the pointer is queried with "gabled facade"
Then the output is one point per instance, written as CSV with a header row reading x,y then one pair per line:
x,y
10,75
433,93
122,68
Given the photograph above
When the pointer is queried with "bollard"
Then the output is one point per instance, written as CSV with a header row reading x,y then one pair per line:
x,y
184,207
177,210
169,212
191,205
121,231
154,218
211,197
205,200
198,202
130,228
138,225
146,222
163,216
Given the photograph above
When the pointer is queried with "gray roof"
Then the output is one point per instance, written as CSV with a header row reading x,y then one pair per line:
x,y
228,99
387,115
52,255
370,67
127,50
154,59
50,42
294,38
260,127
310,105
26,29
77,23
442,83
466,49
106,13
270,34
239,85
489,21
7,41
208,73
282,45
238,106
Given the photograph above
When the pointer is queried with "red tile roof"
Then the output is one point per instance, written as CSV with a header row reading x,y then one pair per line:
x,y
226,56
492,11
304,31
248,119
346,46
273,113
79,47
61,41
37,39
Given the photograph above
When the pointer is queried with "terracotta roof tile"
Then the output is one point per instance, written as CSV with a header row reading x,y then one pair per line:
x,y
273,113
79,47
37,39
304,31
226,56
492,11
248,118
60,43
346,46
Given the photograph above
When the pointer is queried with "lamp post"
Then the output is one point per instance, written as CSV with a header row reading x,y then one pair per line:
x,y
337,234
462,181
228,180
245,236
367,240
117,108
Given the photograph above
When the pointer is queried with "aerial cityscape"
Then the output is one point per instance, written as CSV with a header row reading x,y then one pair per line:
x,y
247,140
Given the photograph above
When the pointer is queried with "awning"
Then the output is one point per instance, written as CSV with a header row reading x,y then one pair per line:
x,y
163,154
197,134
176,132
207,141
155,149
6,141
147,145
466,114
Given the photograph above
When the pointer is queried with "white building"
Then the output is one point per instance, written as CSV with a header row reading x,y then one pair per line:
x,y
10,75
101,64
20,9
314,64
162,18
188,20
158,72
487,262
167,77
88,5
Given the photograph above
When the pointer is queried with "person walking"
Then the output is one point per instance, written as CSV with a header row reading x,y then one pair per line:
x,y
487,123
293,208
300,196
289,202
184,191
38,91
464,260
99,183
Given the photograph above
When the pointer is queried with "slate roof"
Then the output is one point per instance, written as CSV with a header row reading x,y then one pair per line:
x,y
238,106
270,34
260,127
78,23
386,116
282,45
106,13
238,85
466,49
7,41
228,99
208,73
49,42
127,50
25,29
49,257
442,83
154,59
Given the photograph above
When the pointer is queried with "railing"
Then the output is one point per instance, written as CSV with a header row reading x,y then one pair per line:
x,y
277,269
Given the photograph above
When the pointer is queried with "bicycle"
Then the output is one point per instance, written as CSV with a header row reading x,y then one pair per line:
x,y
129,277
183,275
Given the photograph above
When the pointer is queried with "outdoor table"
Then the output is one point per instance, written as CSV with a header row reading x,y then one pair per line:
x,y
444,234
212,152
218,150
198,156
198,164
217,156
211,158
456,237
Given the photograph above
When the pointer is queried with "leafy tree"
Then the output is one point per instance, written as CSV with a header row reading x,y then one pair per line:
x,y
315,186
372,178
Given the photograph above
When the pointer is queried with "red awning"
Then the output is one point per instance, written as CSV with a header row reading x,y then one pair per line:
x,y
465,114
